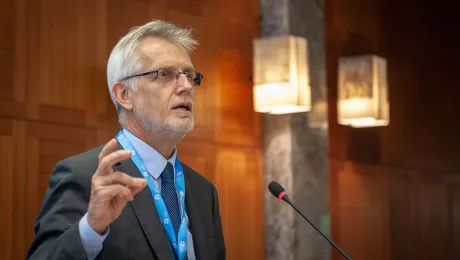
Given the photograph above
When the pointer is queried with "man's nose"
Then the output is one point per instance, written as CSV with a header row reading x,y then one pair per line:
x,y
183,85
183,81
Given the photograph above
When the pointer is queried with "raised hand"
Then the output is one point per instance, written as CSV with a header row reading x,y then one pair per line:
x,y
110,190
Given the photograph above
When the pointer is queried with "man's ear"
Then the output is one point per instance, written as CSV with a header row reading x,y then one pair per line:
x,y
122,95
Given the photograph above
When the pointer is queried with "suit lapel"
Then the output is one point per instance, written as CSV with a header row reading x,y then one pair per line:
x,y
193,212
146,213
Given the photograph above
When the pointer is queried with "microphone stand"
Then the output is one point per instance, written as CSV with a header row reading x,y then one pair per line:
x,y
286,198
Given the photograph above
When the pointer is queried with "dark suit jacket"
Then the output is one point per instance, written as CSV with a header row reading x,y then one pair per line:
x,y
137,233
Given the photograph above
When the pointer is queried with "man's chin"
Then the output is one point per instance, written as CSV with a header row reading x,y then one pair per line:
x,y
181,126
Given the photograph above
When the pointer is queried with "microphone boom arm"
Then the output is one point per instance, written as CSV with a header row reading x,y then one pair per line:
x,y
286,198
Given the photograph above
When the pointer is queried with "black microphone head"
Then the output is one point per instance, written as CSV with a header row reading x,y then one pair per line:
x,y
276,189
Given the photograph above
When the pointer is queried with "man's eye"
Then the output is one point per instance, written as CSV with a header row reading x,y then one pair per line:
x,y
163,74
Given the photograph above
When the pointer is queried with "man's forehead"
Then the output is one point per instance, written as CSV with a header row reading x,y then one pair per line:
x,y
160,52
167,62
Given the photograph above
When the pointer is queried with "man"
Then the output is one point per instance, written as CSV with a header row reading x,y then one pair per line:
x,y
133,198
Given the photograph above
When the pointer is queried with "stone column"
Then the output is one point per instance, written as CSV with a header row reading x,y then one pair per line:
x,y
295,145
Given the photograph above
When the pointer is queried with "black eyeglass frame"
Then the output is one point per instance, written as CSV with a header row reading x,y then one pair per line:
x,y
199,76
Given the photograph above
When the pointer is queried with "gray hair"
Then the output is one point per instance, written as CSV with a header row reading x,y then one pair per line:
x,y
123,61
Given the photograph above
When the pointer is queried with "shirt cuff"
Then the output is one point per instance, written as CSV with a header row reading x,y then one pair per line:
x,y
92,242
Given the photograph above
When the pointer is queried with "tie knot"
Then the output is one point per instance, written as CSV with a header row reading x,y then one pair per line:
x,y
168,172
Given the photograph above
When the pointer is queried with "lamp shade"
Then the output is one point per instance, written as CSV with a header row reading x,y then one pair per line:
x,y
363,91
281,77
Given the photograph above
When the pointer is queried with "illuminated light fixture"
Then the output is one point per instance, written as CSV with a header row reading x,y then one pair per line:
x,y
281,77
363,91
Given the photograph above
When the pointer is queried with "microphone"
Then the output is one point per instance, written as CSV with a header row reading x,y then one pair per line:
x,y
278,191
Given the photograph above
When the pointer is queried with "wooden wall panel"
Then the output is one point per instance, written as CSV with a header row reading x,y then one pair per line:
x,y
454,214
392,188
54,103
361,211
244,167
7,202
403,227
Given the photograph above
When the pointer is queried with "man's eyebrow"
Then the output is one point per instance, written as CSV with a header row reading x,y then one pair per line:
x,y
185,68
189,68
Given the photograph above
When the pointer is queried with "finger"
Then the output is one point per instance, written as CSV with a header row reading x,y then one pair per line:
x,y
120,178
108,148
122,198
137,189
112,191
105,167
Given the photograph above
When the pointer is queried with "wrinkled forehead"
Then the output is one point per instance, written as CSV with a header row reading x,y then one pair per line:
x,y
156,53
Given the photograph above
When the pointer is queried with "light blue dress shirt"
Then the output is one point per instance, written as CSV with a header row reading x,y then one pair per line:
x,y
155,164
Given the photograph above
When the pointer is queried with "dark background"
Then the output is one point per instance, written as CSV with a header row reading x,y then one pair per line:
x,y
395,191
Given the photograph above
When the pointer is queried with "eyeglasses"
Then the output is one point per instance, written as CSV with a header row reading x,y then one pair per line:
x,y
167,75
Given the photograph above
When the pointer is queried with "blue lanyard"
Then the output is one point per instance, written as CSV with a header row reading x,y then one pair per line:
x,y
159,203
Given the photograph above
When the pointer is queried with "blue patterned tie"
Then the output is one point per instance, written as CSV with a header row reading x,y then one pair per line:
x,y
169,195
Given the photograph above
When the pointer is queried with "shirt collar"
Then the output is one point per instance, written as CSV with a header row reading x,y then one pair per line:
x,y
153,160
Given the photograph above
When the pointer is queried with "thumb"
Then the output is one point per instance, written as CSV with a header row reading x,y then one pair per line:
x,y
140,182
140,185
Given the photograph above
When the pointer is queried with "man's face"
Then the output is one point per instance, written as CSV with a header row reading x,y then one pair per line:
x,y
163,104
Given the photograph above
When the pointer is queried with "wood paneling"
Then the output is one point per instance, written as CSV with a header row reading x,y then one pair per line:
x,y
244,167
454,215
394,189
54,103
7,193
360,213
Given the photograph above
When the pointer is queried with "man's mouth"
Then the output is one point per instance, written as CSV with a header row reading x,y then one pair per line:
x,y
185,106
